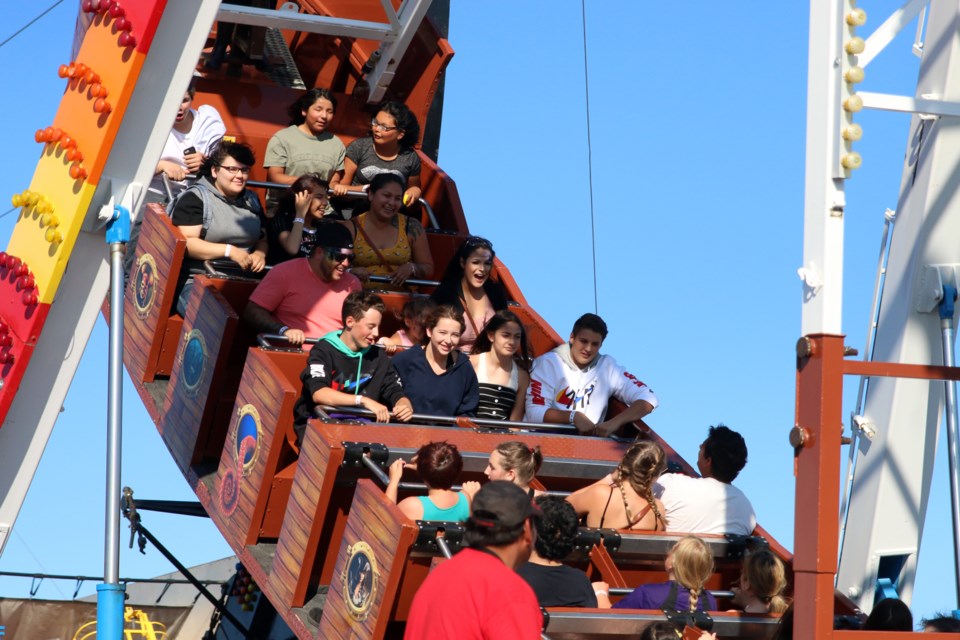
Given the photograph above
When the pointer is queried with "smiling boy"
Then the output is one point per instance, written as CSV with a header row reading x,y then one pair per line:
x,y
573,384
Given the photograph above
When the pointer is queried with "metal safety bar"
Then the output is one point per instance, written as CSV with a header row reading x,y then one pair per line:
x,y
264,339
412,281
262,184
622,591
451,420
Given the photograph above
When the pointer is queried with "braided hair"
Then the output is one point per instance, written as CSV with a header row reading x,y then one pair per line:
x,y
641,466
692,566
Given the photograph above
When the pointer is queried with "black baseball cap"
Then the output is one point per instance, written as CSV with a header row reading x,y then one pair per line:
x,y
334,235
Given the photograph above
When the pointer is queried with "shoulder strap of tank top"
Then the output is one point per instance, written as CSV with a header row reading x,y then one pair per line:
x,y
603,515
372,246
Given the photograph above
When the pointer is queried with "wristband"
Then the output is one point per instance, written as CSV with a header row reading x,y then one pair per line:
x,y
601,593
356,400
282,329
296,220
226,252
573,417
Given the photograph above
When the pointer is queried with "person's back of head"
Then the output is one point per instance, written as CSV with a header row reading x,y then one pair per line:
x,y
498,514
890,614
556,529
642,464
662,630
520,458
692,566
785,626
940,623
439,464
727,452
767,578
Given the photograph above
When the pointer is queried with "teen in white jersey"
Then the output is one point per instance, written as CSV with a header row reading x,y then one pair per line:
x,y
574,383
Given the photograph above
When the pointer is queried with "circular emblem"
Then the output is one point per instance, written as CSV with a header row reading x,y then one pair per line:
x,y
246,438
229,493
145,285
360,580
193,361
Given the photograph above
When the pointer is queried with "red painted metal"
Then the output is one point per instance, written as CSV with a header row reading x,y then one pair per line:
x,y
816,520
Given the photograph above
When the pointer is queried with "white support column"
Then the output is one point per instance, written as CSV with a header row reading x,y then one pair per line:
x,y
410,16
822,269
164,77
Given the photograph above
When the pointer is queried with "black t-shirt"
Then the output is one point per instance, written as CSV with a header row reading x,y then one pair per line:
x,y
560,586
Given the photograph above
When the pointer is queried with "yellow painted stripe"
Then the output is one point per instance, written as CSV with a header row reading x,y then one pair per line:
x,y
70,200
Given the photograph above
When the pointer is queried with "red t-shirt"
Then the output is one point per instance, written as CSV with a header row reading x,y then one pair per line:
x,y
299,299
474,596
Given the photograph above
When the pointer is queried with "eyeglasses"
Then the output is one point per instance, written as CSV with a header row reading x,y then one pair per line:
x,y
234,170
376,124
336,255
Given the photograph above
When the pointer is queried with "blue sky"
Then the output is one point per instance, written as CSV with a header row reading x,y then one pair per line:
x,y
698,118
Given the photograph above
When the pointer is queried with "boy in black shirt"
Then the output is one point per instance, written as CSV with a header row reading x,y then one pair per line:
x,y
346,369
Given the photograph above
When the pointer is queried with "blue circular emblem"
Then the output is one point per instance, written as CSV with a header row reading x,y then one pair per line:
x,y
193,361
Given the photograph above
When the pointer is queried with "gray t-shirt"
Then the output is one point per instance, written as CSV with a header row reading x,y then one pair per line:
x,y
369,164
299,153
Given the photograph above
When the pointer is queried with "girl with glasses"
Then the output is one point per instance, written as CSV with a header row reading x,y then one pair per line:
x,y
467,284
393,133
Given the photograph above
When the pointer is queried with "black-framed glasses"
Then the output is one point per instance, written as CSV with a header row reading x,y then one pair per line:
x,y
337,255
376,124
233,170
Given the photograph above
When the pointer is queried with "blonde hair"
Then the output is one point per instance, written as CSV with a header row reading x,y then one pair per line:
x,y
520,458
692,566
767,577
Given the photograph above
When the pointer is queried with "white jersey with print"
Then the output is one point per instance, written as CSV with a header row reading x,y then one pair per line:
x,y
557,383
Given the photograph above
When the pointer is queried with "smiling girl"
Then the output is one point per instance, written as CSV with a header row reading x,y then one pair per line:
x,y
467,285
436,377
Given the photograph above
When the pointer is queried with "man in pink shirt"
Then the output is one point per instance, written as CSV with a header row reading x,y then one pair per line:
x,y
303,297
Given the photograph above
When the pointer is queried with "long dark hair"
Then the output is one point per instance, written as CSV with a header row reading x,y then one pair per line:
x,y
500,318
449,290
295,110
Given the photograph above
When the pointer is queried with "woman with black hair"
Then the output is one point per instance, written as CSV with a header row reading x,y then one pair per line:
x,y
306,146
394,132
466,284
220,217
556,584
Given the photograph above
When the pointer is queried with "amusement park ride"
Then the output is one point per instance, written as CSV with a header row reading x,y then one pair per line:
x,y
300,515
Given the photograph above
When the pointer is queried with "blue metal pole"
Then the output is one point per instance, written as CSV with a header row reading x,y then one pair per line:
x,y
110,594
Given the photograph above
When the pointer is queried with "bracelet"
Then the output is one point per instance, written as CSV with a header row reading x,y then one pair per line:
x,y
226,252
601,593
356,400
296,220
282,329
573,417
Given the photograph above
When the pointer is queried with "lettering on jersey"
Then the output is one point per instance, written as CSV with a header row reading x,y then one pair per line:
x,y
317,371
572,399
536,390
632,378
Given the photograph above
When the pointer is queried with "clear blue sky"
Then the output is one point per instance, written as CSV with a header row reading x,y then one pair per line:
x,y
698,117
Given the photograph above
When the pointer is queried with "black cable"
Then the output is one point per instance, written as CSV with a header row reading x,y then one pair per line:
x,y
8,212
593,226
29,24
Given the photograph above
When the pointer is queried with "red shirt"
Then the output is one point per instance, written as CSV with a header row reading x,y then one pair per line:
x,y
474,596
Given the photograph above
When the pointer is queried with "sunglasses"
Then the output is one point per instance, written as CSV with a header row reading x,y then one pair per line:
x,y
337,255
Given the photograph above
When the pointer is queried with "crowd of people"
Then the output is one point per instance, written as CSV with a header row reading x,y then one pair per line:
x,y
461,352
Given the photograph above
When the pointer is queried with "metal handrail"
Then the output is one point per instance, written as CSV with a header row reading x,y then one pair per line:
x,y
451,420
412,281
263,339
263,184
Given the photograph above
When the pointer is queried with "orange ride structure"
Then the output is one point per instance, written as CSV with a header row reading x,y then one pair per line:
x,y
303,516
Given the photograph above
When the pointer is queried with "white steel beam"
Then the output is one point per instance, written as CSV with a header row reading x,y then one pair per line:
x,y
887,31
905,104
822,269
410,15
305,22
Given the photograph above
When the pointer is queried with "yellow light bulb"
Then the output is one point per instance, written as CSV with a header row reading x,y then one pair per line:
x,y
851,160
855,46
852,133
853,104
853,75
16,200
857,18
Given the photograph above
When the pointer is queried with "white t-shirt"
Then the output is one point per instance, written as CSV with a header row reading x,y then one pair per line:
x,y
205,132
704,505
556,383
